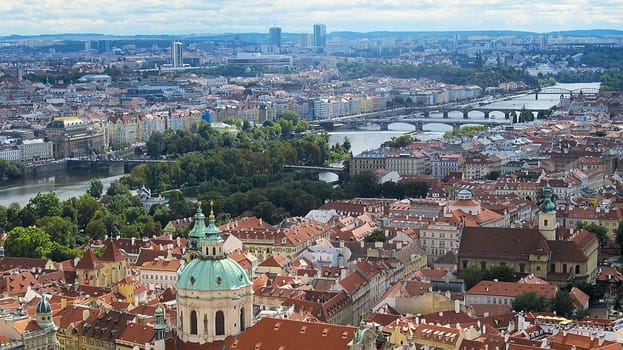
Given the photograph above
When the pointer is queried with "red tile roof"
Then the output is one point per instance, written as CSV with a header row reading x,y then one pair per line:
x,y
89,261
283,334
512,289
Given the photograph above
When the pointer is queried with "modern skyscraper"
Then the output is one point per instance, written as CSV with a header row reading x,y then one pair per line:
x,y
320,35
274,36
176,53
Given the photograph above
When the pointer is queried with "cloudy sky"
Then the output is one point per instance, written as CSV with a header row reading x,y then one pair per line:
x,y
220,16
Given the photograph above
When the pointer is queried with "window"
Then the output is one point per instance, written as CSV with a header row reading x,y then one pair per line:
x,y
577,269
522,267
552,268
193,322
219,323
242,319
545,222
483,265
205,324
464,264
564,268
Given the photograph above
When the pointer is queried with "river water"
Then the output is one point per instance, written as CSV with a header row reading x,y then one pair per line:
x,y
75,183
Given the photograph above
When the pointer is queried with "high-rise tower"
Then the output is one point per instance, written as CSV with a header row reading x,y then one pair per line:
x,y
274,36
176,53
320,35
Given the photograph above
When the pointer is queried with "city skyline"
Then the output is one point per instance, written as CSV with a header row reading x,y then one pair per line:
x,y
31,17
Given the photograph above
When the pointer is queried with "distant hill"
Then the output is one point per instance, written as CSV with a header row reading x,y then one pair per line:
x,y
259,37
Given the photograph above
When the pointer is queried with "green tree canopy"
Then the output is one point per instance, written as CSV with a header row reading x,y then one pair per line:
x,y
562,304
45,204
62,231
600,232
376,236
529,301
28,242
96,188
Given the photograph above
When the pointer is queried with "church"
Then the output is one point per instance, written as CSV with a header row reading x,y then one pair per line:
x,y
214,293
215,306
557,255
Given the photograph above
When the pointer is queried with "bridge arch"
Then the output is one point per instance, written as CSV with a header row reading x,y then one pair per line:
x,y
439,127
401,126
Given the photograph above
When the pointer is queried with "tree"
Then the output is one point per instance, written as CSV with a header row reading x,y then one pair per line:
x,y
96,229
46,204
96,188
594,292
600,232
525,115
502,273
619,235
375,236
61,230
493,175
28,242
471,276
529,301
562,304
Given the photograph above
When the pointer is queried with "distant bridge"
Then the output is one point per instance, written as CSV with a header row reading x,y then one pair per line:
x,y
562,91
128,164
418,116
339,171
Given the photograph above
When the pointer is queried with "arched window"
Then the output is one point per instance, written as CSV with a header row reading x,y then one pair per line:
x,y
214,251
577,269
219,323
242,319
205,324
193,322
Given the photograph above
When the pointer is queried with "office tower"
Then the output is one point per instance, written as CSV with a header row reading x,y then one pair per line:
x,y
274,36
306,40
103,46
176,53
320,35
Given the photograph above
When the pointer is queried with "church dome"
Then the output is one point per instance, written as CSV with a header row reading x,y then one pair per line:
x,y
548,205
44,306
212,275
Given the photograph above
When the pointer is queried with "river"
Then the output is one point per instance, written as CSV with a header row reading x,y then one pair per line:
x,y
66,184
75,183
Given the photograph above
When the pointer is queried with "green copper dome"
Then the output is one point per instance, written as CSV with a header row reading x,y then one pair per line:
x,y
44,306
212,275
547,206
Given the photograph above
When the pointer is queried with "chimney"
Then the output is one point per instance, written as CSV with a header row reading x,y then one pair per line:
x,y
457,306
133,240
85,315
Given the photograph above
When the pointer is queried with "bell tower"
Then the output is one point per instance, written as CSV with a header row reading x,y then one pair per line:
x,y
547,215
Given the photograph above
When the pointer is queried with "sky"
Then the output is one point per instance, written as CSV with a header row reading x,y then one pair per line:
x,y
128,17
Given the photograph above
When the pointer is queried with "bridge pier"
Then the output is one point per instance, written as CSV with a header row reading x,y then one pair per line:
x,y
384,126
427,114
507,115
465,114
445,114
419,126
486,114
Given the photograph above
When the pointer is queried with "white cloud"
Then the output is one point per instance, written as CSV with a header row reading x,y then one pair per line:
x,y
218,16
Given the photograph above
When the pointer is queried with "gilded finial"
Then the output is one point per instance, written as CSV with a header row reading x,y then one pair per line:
x,y
211,210
199,210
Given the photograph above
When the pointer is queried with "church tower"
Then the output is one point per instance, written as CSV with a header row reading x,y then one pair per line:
x,y
547,215
43,313
214,293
